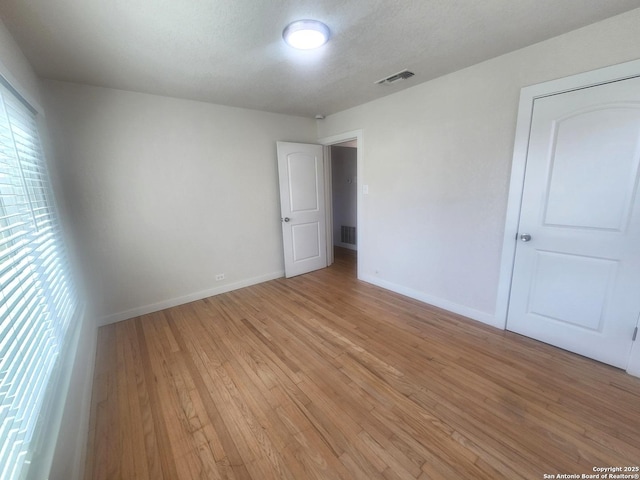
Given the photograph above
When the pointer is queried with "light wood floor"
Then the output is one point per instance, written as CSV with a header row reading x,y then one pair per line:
x,y
325,377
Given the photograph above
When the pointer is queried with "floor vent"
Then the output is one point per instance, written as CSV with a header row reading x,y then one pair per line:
x,y
348,235
403,75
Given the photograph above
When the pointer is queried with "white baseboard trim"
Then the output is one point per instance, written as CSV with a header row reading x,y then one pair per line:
x,y
471,313
192,297
346,245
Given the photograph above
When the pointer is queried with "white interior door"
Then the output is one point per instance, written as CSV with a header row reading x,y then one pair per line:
x,y
576,278
302,202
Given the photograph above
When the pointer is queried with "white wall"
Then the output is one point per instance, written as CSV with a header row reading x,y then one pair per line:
x,y
437,160
68,419
167,193
344,193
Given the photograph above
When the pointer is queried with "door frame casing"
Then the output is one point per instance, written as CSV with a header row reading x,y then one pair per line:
x,y
326,142
528,95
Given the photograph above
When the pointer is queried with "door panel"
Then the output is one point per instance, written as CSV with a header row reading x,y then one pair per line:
x,y
596,165
305,241
576,282
302,202
303,182
571,288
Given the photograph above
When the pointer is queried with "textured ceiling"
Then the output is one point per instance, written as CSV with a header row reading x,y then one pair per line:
x,y
231,51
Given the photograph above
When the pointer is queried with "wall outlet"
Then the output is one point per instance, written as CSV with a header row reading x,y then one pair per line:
x,y
219,277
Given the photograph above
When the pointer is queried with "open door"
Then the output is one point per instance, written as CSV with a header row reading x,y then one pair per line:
x,y
302,203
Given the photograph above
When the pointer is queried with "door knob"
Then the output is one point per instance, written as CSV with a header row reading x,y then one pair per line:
x,y
525,237
287,219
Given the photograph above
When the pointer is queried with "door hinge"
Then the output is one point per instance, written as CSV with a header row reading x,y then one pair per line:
x,y
635,334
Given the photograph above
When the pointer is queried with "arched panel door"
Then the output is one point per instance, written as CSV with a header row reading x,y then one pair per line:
x,y
576,278
302,203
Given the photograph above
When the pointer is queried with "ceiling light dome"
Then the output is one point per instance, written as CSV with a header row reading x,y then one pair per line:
x,y
306,34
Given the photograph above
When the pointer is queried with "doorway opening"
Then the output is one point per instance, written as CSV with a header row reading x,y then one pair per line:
x,y
347,144
343,158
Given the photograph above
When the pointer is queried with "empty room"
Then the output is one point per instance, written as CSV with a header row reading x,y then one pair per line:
x,y
302,240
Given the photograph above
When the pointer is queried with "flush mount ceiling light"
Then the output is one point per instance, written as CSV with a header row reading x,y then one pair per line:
x,y
306,34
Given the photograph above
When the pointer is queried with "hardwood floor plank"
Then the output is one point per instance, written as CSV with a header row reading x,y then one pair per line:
x,y
140,433
322,377
127,429
202,363
162,439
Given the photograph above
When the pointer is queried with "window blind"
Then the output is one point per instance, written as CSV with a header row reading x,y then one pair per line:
x,y
37,295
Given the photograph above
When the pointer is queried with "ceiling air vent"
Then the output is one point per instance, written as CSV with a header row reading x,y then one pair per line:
x,y
396,77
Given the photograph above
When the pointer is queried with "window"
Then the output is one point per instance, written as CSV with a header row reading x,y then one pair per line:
x,y
37,295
